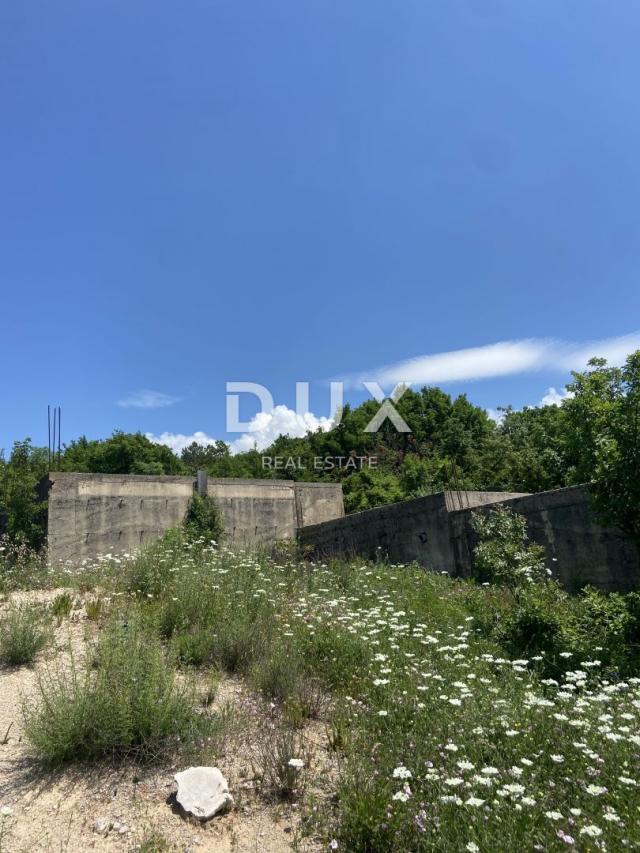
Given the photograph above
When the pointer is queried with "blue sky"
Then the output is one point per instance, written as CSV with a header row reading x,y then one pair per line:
x,y
203,192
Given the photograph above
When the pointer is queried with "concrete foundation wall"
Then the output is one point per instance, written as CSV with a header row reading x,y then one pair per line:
x,y
578,550
94,514
436,532
414,530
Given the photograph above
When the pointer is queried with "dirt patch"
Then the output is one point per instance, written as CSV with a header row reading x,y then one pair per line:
x,y
106,807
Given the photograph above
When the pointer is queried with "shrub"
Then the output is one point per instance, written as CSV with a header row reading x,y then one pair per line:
x,y
282,758
193,648
502,554
155,843
127,703
203,519
62,605
236,644
23,632
94,609
539,623
277,675
21,567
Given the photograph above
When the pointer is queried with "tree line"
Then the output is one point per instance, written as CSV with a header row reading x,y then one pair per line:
x,y
592,437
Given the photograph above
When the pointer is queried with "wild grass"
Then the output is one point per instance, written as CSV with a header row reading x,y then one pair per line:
x,y
154,842
462,717
283,759
23,633
126,702
62,605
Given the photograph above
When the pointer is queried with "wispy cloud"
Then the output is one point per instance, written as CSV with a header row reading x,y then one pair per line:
x,y
145,399
505,358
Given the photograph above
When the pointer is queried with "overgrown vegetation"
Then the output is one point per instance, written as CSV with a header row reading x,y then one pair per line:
x,y
203,519
537,616
502,715
125,702
23,633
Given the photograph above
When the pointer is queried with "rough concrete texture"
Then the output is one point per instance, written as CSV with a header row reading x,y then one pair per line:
x,y
578,549
95,514
436,532
413,530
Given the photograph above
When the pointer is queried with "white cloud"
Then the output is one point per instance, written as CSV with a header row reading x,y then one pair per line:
x,y
555,398
615,350
500,359
145,399
265,427
177,441
495,415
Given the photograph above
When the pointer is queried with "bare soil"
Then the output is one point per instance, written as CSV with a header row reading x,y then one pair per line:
x,y
58,810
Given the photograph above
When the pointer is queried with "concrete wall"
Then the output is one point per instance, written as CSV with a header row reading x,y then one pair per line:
x,y
93,514
413,530
579,551
436,532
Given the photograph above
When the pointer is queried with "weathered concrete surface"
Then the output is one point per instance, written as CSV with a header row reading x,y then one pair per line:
x,y
94,514
255,511
318,502
436,531
578,549
413,530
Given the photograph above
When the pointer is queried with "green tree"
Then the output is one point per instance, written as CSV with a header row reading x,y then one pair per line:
x,y
122,453
370,488
535,454
203,457
603,418
21,504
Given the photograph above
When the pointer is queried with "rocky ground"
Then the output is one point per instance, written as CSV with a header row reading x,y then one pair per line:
x,y
124,807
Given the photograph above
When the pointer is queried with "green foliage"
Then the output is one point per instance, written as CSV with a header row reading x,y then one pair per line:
x,y
444,731
593,437
122,453
562,630
534,453
193,648
62,605
128,704
197,457
369,488
23,511
23,633
203,519
280,747
94,609
539,623
155,843
502,554
604,420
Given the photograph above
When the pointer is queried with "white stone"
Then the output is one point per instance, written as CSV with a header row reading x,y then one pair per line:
x,y
203,791
102,825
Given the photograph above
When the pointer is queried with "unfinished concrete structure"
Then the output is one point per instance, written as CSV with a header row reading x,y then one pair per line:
x,y
436,531
94,514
